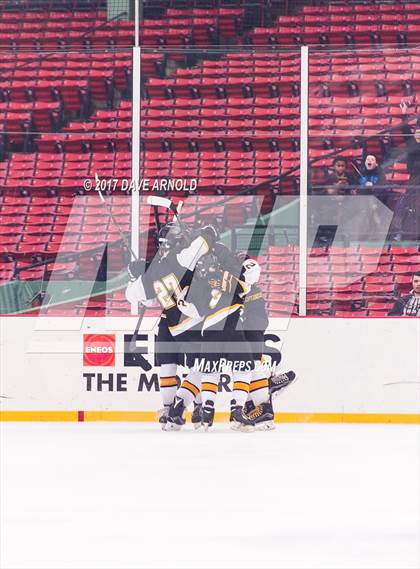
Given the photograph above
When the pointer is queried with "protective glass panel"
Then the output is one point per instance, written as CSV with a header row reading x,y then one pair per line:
x,y
363,222
65,112
220,133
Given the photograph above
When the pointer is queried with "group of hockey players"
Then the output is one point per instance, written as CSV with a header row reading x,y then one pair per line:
x,y
213,321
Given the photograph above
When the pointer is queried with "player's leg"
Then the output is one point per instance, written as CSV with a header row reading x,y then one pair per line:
x,y
258,389
167,360
209,388
242,364
215,354
258,405
197,413
190,387
168,386
239,420
185,395
201,357
194,343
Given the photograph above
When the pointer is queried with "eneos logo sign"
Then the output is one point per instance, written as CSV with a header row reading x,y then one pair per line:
x,y
99,350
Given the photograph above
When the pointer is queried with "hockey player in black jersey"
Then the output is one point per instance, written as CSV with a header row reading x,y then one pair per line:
x,y
264,384
166,279
255,322
216,296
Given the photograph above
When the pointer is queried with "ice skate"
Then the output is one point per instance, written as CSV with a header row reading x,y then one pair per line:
x,y
163,416
280,381
175,419
208,415
239,420
263,417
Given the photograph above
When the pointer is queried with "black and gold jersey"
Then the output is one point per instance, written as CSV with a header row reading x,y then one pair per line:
x,y
167,280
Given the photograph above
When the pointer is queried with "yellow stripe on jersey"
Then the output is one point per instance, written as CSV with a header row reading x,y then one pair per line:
x,y
190,387
167,382
241,386
244,286
220,314
258,384
206,386
180,324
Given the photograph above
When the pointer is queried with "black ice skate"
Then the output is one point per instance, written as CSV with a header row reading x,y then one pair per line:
x,y
175,418
239,420
197,414
163,416
208,415
280,381
263,417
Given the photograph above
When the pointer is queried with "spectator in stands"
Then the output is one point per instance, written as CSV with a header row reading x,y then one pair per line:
x,y
371,174
338,180
336,183
406,219
412,141
408,305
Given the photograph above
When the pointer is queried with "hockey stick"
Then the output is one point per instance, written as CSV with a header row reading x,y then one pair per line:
x,y
158,201
138,357
162,202
120,231
132,345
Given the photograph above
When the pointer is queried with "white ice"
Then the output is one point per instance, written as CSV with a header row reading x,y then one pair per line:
x,y
119,495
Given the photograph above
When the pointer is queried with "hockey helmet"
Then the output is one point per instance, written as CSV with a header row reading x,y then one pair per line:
x,y
171,236
207,266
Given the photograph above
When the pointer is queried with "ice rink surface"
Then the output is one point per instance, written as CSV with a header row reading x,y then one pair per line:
x,y
126,495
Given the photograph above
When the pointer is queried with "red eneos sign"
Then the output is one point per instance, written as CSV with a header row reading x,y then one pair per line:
x,y
99,350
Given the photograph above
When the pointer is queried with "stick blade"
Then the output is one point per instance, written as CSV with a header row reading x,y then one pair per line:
x,y
159,201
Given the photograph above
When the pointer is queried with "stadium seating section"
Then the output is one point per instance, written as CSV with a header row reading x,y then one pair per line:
x,y
345,24
228,119
340,281
91,29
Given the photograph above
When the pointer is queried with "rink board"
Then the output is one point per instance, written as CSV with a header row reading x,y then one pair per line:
x,y
351,370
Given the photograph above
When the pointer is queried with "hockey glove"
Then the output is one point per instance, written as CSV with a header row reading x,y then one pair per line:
x,y
135,269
